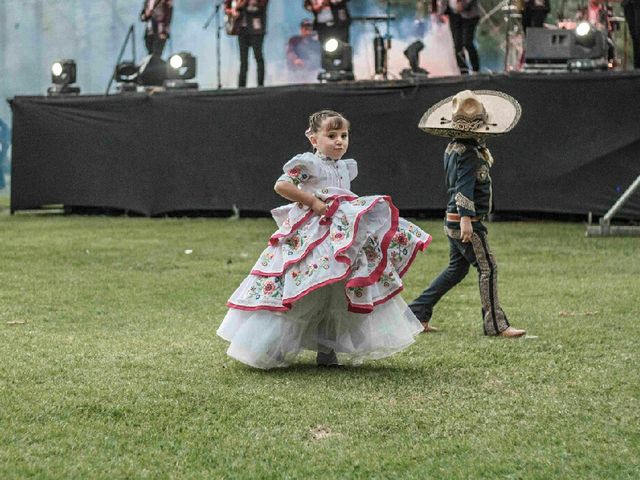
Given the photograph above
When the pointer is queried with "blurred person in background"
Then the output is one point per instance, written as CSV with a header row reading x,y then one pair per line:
x,y
464,16
157,15
304,54
331,19
248,20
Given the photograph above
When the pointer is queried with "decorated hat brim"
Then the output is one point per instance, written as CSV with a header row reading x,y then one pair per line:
x,y
498,105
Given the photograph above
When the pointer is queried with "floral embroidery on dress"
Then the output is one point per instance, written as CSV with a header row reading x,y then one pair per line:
x,y
357,291
372,252
414,230
266,258
295,175
294,243
266,287
399,246
386,279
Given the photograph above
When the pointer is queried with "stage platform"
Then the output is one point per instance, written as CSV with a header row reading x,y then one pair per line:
x,y
575,150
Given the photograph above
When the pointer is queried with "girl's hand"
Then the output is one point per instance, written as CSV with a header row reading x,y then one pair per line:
x,y
319,207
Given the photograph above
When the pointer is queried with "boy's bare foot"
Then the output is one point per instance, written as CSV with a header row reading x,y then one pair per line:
x,y
512,333
428,328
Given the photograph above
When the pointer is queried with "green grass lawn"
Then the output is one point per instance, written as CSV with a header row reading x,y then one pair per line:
x,y
110,366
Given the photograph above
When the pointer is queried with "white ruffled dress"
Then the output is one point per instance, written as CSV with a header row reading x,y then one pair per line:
x,y
327,283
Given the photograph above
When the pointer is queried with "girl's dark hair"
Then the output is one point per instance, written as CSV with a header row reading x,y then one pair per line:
x,y
336,120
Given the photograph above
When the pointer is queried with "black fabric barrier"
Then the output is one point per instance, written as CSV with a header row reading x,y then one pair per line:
x,y
575,150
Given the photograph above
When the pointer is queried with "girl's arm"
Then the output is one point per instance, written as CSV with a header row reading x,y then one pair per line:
x,y
291,192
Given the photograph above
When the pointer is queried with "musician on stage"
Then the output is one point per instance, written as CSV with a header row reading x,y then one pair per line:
x,y
248,21
304,54
157,14
464,16
534,13
632,16
331,19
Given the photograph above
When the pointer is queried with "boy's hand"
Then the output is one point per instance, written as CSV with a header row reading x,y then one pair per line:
x,y
466,230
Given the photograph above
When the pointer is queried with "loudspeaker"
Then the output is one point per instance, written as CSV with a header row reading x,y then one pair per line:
x,y
558,46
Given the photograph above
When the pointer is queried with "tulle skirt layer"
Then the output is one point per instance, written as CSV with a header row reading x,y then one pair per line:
x,y
319,322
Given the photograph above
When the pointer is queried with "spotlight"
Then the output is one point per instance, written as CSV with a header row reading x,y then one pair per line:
x,y
181,67
337,61
412,52
583,29
126,75
331,45
585,35
63,75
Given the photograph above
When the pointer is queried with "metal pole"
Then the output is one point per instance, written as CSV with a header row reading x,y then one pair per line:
x,y
130,33
621,201
218,28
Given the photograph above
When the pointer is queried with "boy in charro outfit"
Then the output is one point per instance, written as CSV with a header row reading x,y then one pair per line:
x,y
469,118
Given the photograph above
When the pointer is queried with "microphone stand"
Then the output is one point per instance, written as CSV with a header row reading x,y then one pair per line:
x,y
507,46
216,15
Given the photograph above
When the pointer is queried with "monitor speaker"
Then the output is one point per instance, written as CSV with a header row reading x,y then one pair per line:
x,y
558,46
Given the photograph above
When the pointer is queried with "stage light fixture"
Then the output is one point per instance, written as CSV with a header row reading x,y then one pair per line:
x,y
412,52
126,75
586,35
583,29
181,67
63,72
331,45
63,75
337,61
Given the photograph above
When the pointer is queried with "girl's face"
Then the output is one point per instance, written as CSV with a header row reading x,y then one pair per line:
x,y
332,143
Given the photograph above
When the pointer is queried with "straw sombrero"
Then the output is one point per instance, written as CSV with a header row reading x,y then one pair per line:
x,y
472,114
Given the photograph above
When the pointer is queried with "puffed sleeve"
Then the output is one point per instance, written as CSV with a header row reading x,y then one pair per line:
x,y
300,169
352,167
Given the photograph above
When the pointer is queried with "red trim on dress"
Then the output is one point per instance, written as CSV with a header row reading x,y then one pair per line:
x,y
257,307
420,246
384,246
277,236
368,308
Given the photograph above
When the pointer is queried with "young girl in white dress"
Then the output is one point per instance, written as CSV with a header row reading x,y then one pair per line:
x,y
330,276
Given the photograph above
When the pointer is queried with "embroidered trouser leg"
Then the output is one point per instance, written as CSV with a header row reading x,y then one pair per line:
x,y
461,255
494,318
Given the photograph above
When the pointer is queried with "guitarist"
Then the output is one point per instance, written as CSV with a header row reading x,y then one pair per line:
x,y
331,19
157,14
247,19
